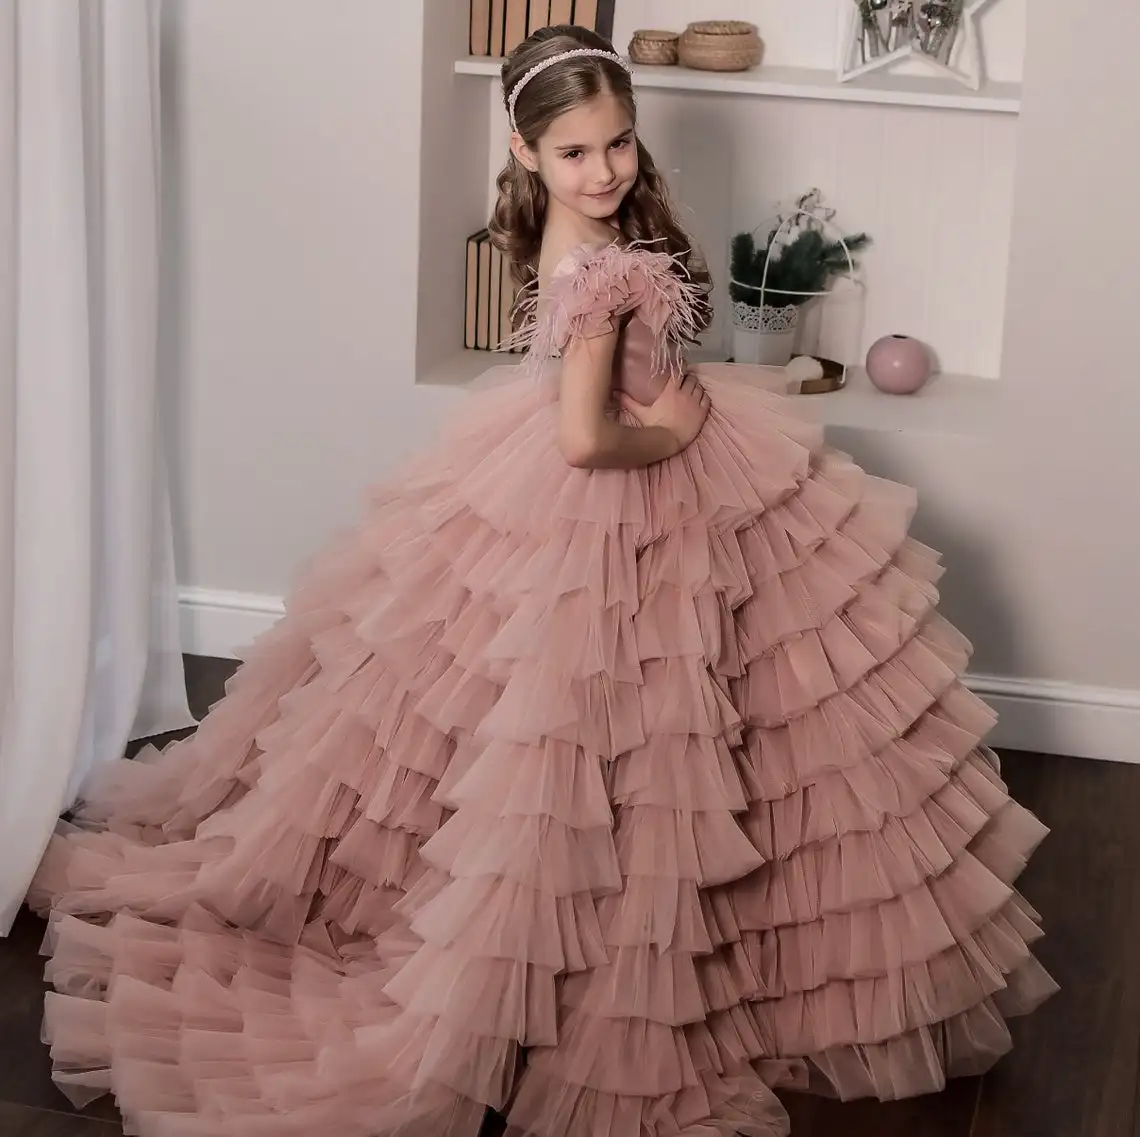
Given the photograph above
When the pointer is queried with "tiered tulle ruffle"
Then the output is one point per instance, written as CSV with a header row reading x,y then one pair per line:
x,y
611,800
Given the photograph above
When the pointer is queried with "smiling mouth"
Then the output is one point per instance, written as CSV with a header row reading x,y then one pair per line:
x,y
606,193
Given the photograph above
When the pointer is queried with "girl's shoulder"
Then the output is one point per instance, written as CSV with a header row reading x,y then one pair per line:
x,y
593,285
573,261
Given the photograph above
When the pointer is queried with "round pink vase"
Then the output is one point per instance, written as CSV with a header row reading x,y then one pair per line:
x,y
898,365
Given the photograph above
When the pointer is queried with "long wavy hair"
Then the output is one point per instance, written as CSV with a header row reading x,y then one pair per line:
x,y
645,214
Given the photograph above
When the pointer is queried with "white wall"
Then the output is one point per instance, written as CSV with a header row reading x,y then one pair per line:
x,y
292,140
1071,414
933,188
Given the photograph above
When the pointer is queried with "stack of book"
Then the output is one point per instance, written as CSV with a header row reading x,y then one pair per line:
x,y
499,26
491,295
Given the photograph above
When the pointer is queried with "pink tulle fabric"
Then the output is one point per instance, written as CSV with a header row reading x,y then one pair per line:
x,y
611,800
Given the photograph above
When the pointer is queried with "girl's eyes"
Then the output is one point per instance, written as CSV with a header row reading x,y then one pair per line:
x,y
620,144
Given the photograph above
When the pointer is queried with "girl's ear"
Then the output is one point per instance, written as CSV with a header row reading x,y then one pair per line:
x,y
523,153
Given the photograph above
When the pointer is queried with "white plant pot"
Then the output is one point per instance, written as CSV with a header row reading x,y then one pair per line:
x,y
764,334
771,348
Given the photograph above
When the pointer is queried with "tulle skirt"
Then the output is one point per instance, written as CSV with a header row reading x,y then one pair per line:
x,y
612,801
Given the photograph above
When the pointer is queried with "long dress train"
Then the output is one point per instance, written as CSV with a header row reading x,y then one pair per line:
x,y
611,800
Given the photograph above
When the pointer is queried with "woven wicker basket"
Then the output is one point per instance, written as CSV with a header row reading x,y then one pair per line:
x,y
720,45
653,48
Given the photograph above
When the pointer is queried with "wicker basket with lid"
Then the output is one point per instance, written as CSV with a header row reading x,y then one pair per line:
x,y
653,47
720,45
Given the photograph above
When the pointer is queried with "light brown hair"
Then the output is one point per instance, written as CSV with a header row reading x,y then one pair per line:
x,y
645,214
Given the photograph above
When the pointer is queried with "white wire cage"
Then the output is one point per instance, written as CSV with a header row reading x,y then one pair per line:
x,y
764,317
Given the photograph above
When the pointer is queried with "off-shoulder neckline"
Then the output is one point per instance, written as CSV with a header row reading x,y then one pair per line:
x,y
639,274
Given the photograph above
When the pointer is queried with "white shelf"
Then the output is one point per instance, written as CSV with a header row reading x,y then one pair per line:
x,y
464,367
961,405
810,83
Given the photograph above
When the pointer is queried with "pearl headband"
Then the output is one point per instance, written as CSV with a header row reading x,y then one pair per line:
x,y
538,68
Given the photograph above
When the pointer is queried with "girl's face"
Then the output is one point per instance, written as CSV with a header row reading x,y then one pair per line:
x,y
587,158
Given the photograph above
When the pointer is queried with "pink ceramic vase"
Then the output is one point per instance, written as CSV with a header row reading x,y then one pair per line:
x,y
898,365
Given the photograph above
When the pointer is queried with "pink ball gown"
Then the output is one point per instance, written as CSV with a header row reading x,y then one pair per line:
x,y
612,800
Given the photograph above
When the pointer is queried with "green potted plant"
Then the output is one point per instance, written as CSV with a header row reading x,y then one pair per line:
x,y
801,261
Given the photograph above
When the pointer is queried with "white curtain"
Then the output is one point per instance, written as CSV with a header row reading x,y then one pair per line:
x,y
89,648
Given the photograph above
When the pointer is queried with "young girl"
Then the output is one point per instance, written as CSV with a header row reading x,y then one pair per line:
x,y
615,771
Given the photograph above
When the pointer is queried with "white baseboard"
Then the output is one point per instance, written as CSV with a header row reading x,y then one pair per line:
x,y
219,624
1063,718
1034,714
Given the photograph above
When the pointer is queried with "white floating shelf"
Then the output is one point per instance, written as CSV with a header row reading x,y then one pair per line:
x,y
961,405
810,83
466,366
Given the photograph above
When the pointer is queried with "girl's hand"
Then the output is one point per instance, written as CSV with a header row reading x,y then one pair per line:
x,y
680,409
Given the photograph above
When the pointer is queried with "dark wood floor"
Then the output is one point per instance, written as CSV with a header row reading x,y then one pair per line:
x,y
1076,1069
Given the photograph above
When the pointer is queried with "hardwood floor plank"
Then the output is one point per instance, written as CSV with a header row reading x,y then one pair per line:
x,y
1073,1071
206,682
23,1121
948,1114
25,1064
